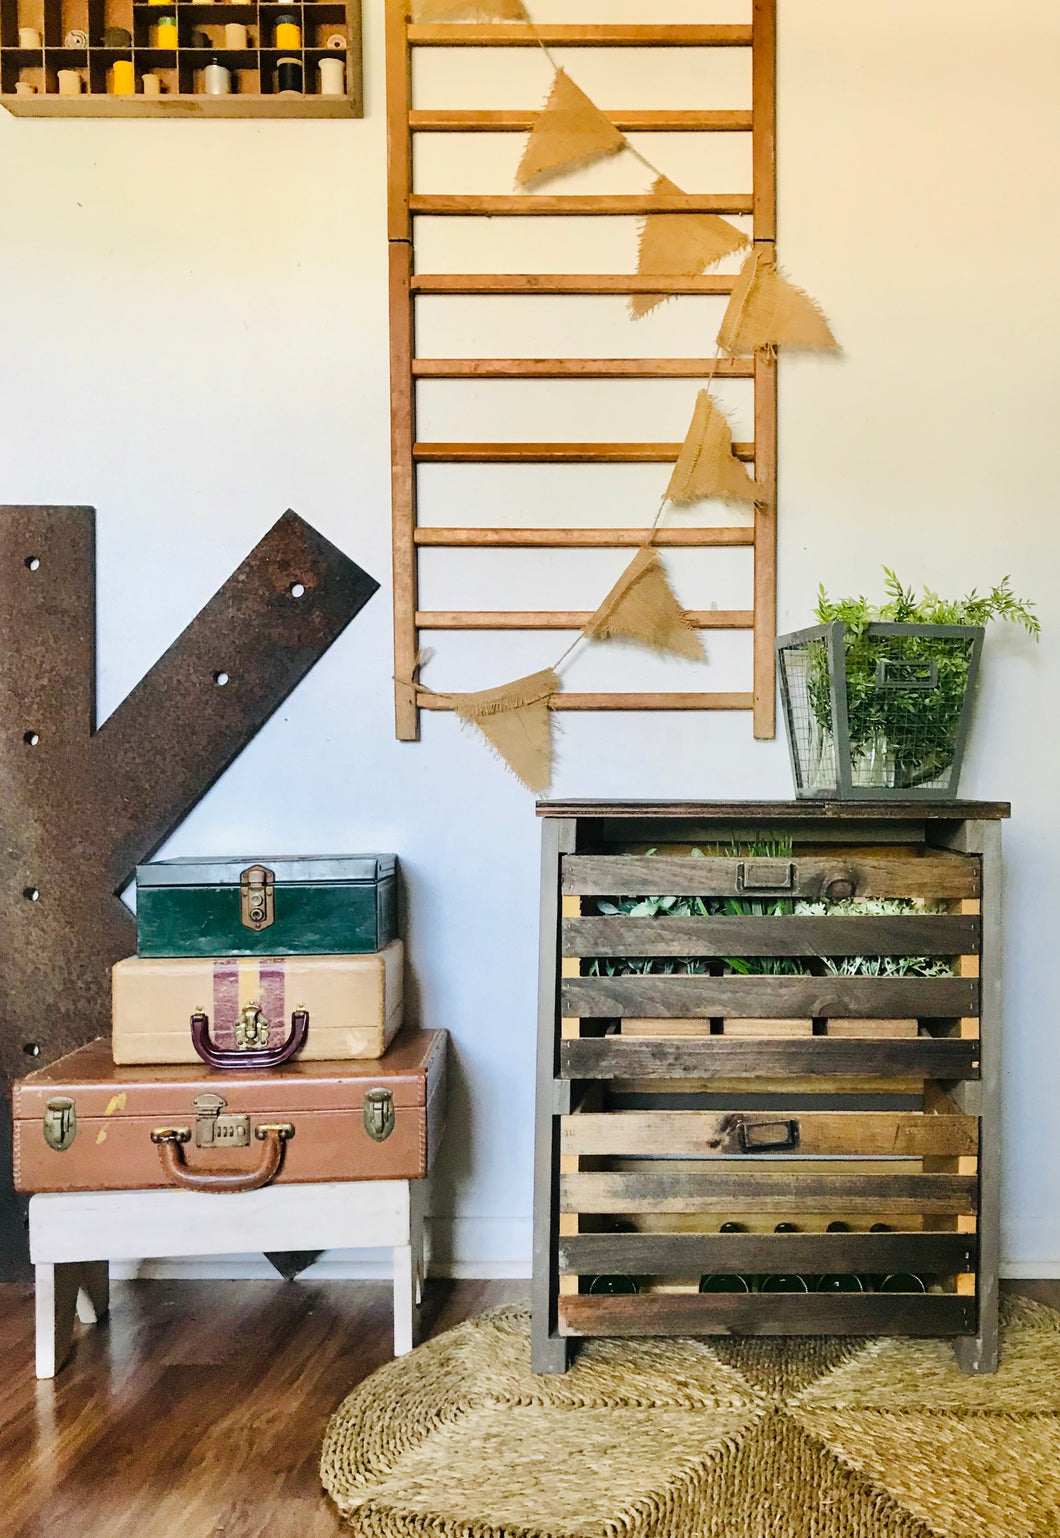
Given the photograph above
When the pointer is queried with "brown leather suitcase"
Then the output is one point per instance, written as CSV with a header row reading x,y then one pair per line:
x,y
85,1124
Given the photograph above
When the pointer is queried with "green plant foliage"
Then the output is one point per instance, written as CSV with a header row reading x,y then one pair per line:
x,y
912,731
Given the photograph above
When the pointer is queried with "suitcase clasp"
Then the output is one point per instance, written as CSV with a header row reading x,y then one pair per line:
x,y
256,897
252,1028
214,1130
60,1123
379,1119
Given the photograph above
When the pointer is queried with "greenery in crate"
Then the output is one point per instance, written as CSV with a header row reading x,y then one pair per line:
x,y
878,966
918,727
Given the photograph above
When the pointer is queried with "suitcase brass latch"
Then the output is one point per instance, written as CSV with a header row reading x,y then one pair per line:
x,y
256,897
60,1123
216,1130
379,1119
252,1028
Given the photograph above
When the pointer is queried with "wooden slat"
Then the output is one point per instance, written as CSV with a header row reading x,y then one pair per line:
x,y
539,619
780,812
765,599
788,935
692,997
769,1314
541,205
399,142
923,1254
582,368
936,874
567,283
723,1190
585,539
764,106
516,35
725,1057
403,488
557,453
714,1134
655,120
623,702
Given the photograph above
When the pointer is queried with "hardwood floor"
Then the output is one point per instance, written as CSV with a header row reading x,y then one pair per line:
x,y
198,1408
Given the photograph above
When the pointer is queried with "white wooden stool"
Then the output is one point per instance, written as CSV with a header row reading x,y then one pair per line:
x,y
74,1235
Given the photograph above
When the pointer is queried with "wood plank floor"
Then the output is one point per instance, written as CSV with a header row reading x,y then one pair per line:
x,y
198,1409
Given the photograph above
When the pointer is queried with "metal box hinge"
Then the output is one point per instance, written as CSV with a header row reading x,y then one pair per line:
x,y
379,1118
257,891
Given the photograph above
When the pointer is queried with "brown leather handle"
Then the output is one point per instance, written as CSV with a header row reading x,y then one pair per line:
x,y
233,1059
221,1182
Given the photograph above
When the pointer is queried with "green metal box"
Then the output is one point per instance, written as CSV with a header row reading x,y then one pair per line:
x,y
323,905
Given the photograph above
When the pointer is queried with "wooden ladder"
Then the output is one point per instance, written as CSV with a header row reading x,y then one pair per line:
x,y
406,284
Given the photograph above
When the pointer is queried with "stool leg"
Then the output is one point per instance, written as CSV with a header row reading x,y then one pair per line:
x,y
404,1298
56,1301
93,1295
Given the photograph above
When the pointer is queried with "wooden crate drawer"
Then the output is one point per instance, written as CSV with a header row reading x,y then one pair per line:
x,y
660,1255
776,1191
698,997
713,1134
727,1057
841,873
769,1314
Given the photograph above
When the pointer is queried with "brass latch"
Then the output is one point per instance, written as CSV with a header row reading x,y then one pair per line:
x,y
60,1123
252,1028
379,1119
216,1130
256,897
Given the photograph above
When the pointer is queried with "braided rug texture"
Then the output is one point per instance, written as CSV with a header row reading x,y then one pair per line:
x,y
735,1438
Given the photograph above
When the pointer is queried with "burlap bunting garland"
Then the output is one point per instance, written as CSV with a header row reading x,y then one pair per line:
x,y
468,10
766,310
707,466
642,607
680,246
570,131
516,721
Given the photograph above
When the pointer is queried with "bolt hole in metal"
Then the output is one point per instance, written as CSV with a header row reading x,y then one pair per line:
x,y
31,894
31,739
220,679
32,563
297,589
31,1048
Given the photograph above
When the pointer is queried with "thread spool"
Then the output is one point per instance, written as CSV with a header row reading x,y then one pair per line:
x,y
235,35
152,85
336,40
123,78
201,40
332,76
290,77
288,33
23,88
69,82
218,79
75,38
28,37
166,32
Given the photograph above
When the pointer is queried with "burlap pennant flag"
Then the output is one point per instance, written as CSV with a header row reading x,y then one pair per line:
x,y
766,310
516,721
680,246
570,131
641,607
469,10
707,466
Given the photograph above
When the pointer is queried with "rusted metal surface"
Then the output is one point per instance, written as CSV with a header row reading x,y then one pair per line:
x,y
79,807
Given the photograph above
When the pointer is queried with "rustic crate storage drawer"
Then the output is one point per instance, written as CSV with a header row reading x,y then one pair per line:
x,y
760,1015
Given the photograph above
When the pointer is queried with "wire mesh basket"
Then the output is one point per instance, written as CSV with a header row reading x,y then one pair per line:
x,y
880,711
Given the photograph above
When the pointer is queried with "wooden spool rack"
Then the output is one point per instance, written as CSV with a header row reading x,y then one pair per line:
x,y
407,284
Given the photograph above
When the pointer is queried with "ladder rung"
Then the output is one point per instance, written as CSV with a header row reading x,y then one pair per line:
x,y
453,120
541,204
568,283
624,702
541,619
557,453
580,539
517,35
583,368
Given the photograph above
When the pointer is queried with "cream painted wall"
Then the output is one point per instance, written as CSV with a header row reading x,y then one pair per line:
x,y
194,331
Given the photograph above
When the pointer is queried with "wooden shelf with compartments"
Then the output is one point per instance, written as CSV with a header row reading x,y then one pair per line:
x,y
35,34
798,1025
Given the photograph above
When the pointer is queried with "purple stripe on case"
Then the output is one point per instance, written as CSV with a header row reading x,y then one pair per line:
x,y
273,975
225,1003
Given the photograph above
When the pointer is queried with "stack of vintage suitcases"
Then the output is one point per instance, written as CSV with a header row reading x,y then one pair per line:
x,y
257,1037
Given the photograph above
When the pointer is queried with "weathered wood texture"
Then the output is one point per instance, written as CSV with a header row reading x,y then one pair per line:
x,y
938,935
923,1254
768,1314
733,1188
933,874
699,997
615,1057
712,1134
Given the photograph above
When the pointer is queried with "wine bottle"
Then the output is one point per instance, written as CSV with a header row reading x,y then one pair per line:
x,y
838,1281
902,1281
613,1286
721,1283
782,1282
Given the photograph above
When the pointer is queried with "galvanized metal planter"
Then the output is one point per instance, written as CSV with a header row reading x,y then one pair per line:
x,y
882,712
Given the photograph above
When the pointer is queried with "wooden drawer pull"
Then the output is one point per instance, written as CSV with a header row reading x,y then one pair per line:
x,y
767,1136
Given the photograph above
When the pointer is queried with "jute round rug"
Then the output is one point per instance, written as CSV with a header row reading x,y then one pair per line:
x,y
738,1438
